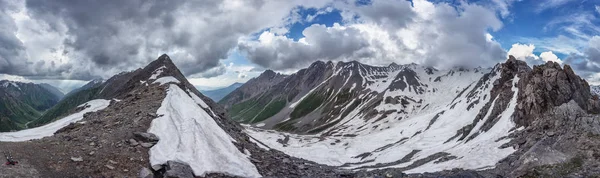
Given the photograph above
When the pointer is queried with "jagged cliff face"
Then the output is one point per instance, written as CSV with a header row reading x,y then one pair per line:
x,y
548,86
560,121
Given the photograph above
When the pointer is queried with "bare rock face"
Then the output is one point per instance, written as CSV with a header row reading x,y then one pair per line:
x,y
558,121
548,86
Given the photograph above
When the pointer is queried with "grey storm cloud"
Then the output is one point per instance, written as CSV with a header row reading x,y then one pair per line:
x,y
94,38
281,53
385,31
12,51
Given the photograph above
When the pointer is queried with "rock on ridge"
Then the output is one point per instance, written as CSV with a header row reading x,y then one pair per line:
x,y
548,86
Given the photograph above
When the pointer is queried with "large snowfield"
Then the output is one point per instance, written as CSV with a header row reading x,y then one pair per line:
x,y
402,143
49,129
189,134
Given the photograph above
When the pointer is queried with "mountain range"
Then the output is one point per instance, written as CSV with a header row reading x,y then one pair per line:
x,y
417,119
218,94
332,119
21,103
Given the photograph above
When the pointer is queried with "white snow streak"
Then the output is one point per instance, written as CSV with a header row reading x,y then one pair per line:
x,y
166,79
157,73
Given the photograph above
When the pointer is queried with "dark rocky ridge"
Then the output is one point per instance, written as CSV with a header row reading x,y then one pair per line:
x,y
252,88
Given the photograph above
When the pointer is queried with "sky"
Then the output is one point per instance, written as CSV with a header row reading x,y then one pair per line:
x,y
218,42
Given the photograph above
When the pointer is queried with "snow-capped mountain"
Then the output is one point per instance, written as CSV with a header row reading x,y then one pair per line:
x,y
418,119
326,96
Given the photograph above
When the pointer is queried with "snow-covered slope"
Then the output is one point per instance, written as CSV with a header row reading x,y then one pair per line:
x,y
50,129
422,138
189,134
351,97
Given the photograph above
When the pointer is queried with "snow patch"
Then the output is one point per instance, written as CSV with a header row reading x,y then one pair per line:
x,y
7,83
166,79
49,129
293,105
157,72
189,134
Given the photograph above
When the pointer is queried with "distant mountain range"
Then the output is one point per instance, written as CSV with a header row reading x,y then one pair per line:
x,y
21,103
218,94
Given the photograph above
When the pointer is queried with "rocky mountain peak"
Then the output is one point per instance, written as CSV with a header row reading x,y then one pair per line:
x,y
317,63
268,74
547,86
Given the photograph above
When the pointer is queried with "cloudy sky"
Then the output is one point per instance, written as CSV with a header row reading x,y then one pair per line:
x,y
219,42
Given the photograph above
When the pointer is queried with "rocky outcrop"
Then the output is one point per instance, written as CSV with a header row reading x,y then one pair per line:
x,y
548,86
558,121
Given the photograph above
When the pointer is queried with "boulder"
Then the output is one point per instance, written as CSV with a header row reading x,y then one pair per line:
x,y
178,170
145,173
145,137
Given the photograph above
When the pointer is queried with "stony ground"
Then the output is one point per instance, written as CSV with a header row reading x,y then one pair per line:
x,y
96,146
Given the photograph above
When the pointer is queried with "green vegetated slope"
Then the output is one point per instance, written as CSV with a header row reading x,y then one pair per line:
x,y
21,103
308,104
257,109
64,107
14,114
